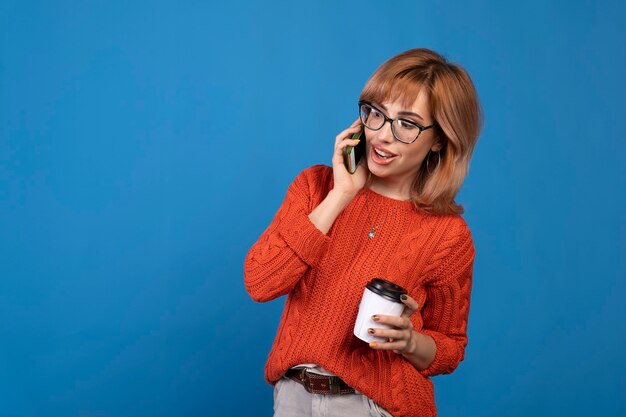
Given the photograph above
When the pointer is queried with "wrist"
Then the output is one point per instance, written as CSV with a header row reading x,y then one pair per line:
x,y
422,351
342,198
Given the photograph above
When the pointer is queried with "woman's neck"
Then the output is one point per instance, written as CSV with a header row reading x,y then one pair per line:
x,y
396,190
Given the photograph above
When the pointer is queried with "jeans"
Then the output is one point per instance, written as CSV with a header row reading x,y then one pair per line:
x,y
291,400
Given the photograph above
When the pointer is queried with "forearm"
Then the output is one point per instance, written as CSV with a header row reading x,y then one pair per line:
x,y
270,272
288,247
422,351
325,214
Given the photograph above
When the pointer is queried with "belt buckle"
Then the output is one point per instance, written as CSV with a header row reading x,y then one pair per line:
x,y
306,382
334,385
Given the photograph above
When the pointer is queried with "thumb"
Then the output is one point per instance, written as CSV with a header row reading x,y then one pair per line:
x,y
410,305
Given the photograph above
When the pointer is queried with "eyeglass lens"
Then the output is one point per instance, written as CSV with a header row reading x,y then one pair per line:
x,y
374,119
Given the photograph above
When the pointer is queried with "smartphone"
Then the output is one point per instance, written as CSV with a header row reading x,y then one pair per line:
x,y
352,154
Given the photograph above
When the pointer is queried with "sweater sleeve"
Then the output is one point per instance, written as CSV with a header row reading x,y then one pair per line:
x,y
290,245
446,309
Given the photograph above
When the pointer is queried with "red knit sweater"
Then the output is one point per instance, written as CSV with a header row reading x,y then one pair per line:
x,y
324,277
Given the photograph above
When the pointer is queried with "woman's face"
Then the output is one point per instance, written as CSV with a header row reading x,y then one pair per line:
x,y
390,159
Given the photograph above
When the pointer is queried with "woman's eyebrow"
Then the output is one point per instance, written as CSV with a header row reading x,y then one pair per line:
x,y
403,113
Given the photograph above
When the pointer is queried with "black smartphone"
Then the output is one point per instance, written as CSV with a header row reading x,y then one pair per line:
x,y
352,154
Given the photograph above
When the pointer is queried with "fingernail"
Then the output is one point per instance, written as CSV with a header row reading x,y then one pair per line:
x,y
372,344
404,297
357,140
370,331
375,317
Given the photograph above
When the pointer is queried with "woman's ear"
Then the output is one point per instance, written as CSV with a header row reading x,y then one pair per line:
x,y
437,145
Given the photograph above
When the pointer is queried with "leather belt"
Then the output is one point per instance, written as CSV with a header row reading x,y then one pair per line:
x,y
319,384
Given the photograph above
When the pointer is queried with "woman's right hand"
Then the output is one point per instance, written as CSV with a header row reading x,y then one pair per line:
x,y
345,183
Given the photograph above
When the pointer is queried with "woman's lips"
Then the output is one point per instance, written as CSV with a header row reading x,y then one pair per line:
x,y
381,160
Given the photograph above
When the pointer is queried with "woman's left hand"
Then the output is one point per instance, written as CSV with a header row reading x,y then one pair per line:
x,y
401,337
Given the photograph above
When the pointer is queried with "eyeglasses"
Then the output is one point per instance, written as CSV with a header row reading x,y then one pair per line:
x,y
403,130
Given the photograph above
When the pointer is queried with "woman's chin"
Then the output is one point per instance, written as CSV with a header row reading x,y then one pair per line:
x,y
389,174
376,169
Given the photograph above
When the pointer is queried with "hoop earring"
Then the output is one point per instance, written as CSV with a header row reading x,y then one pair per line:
x,y
438,162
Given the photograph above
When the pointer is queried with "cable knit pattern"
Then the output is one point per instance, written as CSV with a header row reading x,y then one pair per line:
x,y
324,277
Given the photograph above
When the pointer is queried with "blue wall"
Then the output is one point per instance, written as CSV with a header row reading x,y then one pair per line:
x,y
144,146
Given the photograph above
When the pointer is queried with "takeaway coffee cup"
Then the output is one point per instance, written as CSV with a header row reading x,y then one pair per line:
x,y
379,297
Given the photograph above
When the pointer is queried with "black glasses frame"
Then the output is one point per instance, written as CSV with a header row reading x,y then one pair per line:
x,y
390,120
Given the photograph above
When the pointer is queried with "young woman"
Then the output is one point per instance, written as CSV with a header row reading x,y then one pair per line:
x,y
394,218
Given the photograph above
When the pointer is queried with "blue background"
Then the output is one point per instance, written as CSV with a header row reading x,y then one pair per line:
x,y
144,147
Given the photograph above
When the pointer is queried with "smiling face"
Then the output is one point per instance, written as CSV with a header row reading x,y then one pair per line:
x,y
392,163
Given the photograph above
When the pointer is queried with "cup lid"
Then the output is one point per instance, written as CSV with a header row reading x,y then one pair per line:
x,y
386,289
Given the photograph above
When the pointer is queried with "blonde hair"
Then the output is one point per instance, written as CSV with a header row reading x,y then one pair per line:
x,y
457,117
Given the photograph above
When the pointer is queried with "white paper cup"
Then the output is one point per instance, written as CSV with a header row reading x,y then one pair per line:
x,y
379,297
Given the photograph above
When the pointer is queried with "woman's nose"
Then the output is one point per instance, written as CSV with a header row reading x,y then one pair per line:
x,y
386,133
